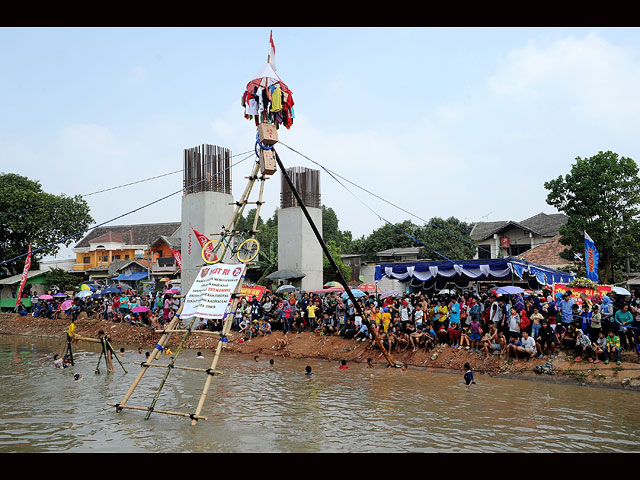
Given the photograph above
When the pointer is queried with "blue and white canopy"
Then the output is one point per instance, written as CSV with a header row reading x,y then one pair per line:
x,y
463,271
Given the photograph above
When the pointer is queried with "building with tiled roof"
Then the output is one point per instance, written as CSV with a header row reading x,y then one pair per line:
x,y
508,238
547,254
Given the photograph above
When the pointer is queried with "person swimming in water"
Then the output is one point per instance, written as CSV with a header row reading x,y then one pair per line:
x,y
308,370
468,375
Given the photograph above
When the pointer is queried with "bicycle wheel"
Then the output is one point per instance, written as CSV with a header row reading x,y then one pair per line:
x,y
213,251
248,250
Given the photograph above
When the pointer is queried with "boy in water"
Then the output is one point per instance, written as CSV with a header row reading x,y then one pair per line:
x,y
343,365
468,375
308,370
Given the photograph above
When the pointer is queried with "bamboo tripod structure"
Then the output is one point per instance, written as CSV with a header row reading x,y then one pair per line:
x,y
172,326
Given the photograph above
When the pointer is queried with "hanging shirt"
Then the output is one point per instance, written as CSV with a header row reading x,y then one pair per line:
x,y
276,100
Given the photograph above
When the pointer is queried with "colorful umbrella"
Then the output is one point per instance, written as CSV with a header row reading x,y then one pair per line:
x,y
510,290
332,284
285,288
356,293
165,279
45,297
60,294
83,294
66,305
140,309
391,293
84,287
367,287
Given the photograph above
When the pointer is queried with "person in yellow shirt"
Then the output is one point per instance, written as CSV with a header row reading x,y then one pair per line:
x,y
311,315
386,319
71,332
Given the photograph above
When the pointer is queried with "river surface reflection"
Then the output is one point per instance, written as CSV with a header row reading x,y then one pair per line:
x,y
258,407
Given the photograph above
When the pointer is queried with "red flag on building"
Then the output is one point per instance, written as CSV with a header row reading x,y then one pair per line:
x,y
178,257
23,279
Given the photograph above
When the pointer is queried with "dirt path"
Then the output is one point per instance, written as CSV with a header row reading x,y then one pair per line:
x,y
307,345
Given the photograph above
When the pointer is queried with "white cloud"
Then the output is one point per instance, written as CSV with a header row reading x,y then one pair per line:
x,y
591,78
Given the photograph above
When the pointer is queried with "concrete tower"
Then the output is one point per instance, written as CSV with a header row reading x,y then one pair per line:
x,y
298,248
205,203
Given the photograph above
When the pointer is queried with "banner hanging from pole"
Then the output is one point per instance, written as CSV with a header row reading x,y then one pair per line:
x,y
591,257
178,257
23,279
211,291
203,239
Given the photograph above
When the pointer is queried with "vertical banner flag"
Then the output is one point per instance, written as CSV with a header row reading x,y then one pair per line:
x,y
178,257
591,257
271,58
203,239
23,279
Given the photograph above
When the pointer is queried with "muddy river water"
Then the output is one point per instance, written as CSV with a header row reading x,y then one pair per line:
x,y
258,407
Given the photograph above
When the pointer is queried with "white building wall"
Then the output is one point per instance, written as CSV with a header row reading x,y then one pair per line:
x,y
298,248
207,212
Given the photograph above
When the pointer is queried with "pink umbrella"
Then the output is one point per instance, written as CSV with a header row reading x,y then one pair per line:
x,y
140,309
66,305
45,297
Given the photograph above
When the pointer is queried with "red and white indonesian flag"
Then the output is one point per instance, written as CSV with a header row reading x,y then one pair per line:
x,y
23,279
272,52
203,239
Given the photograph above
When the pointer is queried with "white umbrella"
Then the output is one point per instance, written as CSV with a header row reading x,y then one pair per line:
x,y
620,291
84,293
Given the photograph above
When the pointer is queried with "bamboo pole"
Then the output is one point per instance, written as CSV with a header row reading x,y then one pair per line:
x,y
192,369
341,278
110,348
166,412
203,332
154,354
169,367
230,314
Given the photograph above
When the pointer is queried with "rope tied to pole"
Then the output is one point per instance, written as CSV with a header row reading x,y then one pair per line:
x,y
192,416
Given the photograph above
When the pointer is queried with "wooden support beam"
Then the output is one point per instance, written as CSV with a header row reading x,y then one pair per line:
x,y
191,369
166,412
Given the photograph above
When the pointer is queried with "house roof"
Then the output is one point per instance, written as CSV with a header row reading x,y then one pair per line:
x,y
109,237
173,241
542,224
547,254
142,234
16,278
399,251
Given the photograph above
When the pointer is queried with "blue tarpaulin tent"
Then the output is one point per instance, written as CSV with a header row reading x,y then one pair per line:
x,y
131,278
461,272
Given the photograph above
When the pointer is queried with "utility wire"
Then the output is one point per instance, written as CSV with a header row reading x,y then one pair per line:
x,y
334,175
61,240
105,190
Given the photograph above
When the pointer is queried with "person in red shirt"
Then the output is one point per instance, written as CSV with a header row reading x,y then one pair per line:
x,y
343,365
525,323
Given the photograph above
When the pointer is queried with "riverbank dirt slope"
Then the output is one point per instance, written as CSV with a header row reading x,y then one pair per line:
x,y
333,348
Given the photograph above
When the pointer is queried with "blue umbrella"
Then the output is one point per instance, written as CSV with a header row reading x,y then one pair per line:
x,y
356,293
510,290
111,290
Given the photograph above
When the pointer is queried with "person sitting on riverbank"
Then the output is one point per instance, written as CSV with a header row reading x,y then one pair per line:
x,y
546,340
613,347
599,347
348,331
281,342
527,347
362,334
583,347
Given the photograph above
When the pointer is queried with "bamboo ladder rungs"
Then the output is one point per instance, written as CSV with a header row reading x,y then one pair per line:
x,y
204,332
192,369
166,412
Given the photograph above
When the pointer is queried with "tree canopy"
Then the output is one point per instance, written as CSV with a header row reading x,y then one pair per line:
x,y
28,215
600,195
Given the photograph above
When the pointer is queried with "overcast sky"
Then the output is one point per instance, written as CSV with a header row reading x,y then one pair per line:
x,y
465,122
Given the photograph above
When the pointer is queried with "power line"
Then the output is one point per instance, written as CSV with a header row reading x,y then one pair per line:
x,y
384,200
61,240
104,190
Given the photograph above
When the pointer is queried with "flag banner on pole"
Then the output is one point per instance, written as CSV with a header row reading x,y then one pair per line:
x,y
203,239
178,257
23,278
591,257
272,52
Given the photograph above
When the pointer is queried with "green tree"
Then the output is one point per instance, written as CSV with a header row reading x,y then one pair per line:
x,y
28,215
329,273
449,237
601,195
63,280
